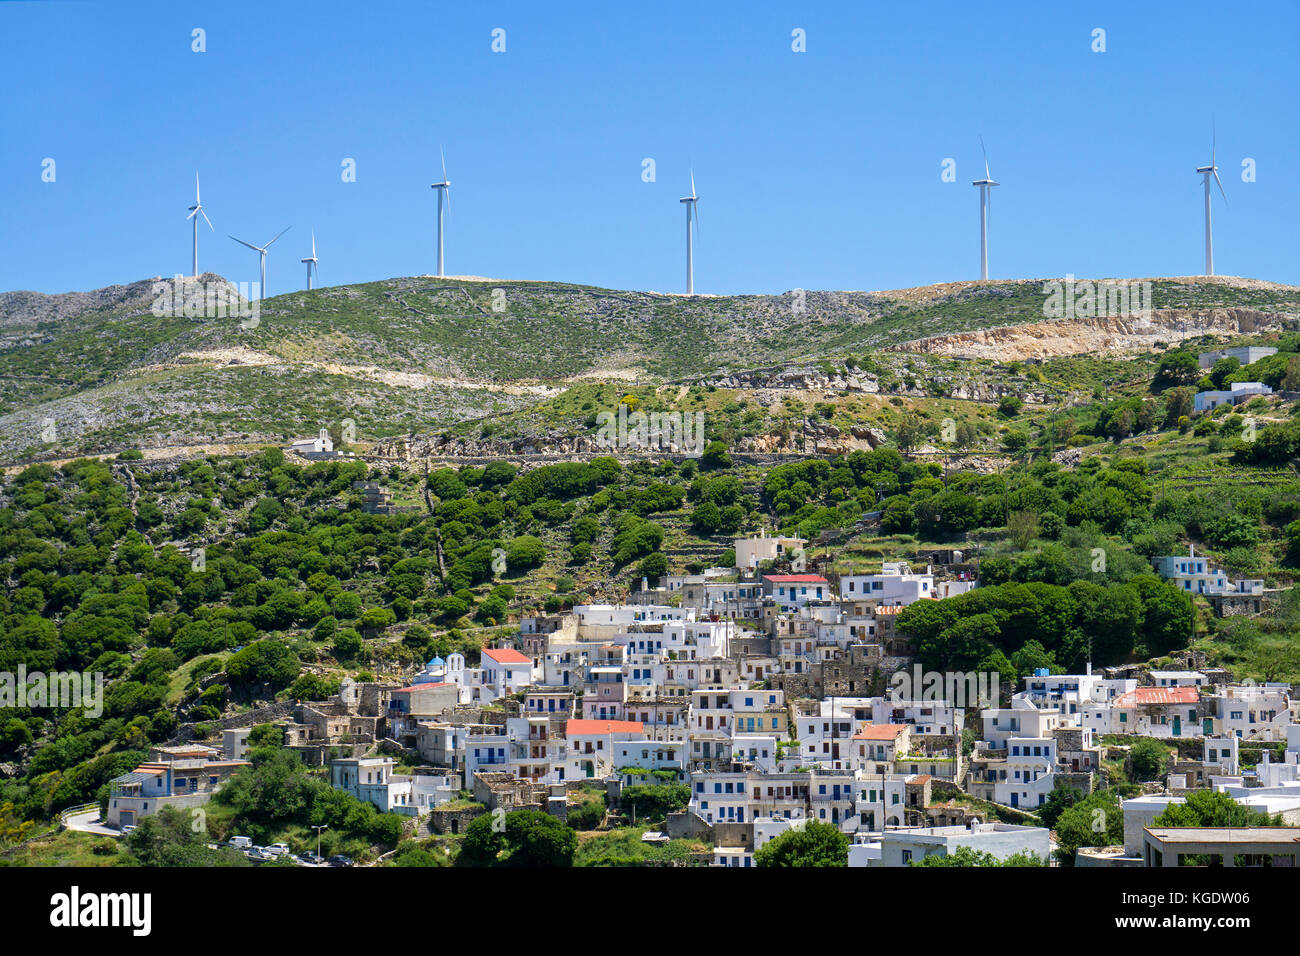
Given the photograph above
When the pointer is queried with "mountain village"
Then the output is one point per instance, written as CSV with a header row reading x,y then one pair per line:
x,y
779,696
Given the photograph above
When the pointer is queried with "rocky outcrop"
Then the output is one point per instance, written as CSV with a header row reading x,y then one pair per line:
x,y
796,377
1109,334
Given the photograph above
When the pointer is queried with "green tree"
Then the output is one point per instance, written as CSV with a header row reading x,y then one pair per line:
x,y
715,457
538,839
817,844
1095,820
1149,759
967,856
1213,808
483,843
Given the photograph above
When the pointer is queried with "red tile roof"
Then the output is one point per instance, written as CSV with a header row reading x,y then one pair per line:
x,y
505,655
603,727
880,732
796,578
424,686
1159,695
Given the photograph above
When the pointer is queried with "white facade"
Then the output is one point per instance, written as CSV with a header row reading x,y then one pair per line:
x,y
895,586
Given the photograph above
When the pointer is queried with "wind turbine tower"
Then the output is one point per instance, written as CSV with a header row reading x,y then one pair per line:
x,y
442,188
195,211
692,215
1206,172
261,250
311,260
986,197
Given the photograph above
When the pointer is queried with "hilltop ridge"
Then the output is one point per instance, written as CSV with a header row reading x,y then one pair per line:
x,y
109,369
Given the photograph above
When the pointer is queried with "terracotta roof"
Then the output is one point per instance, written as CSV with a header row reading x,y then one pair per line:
x,y
796,578
505,655
1159,695
880,732
603,727
425,686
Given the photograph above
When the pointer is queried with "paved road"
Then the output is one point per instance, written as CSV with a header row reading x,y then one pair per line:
x,y
88,822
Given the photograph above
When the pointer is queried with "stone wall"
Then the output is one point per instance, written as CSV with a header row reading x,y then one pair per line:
x,y
449,820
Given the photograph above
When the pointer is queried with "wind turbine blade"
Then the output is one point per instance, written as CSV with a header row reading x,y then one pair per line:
x,y
196,187
281,233
447,192
444,163
986,158
1214,141
205,218
693,195
249,244
1220,182
193,212
695,207
313,243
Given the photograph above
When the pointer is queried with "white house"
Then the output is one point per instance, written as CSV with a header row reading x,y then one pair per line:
x,y
591,746
896,585
793,591
750,552
906,846
1234,393
1245,354
321,444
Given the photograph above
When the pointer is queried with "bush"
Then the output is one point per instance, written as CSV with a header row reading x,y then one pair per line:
x,y
586,816
817,844
655,801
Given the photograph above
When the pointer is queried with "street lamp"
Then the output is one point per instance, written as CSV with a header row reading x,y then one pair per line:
x,y
318,830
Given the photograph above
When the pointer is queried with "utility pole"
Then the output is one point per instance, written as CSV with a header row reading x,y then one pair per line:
x,y
318,830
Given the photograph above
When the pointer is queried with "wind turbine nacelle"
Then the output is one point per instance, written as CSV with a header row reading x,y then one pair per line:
x,y
1206,169
689,199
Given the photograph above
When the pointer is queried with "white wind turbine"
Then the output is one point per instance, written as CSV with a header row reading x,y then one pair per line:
x,y
692,215
195,211
1206,172
261,250
442,188
986,203
311,260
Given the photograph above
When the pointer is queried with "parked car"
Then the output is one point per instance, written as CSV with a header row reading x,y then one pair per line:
x,y
340,860
277,849
259,855
240,842
129,828
311,859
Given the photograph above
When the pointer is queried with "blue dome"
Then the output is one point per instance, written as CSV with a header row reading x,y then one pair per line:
x,y
436,660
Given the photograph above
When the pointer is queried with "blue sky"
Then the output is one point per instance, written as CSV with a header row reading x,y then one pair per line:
x,y
816,170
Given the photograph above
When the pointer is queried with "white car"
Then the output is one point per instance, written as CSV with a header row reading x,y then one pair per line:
x,y
277,849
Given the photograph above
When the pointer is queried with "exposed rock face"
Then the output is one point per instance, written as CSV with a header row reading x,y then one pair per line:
x,y
29,308
1108,334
